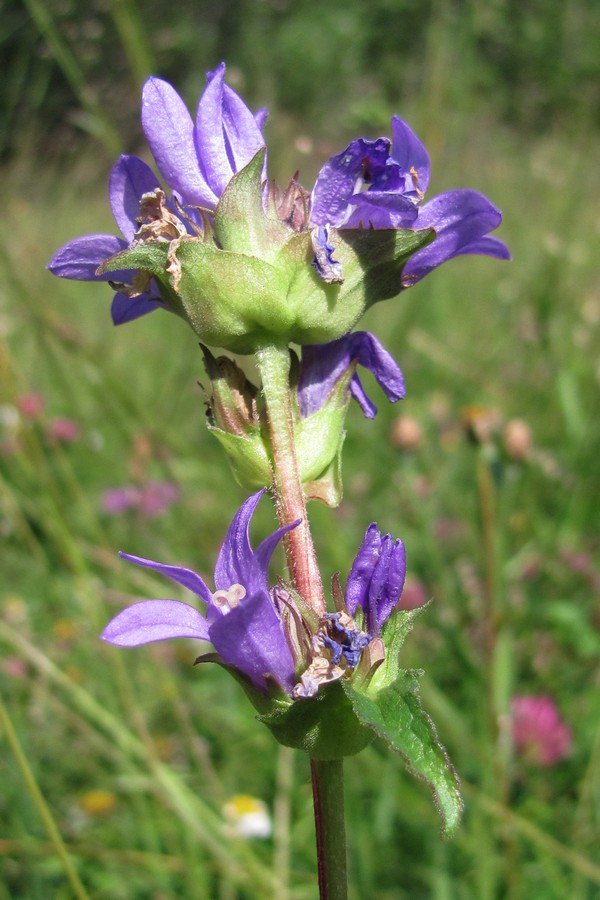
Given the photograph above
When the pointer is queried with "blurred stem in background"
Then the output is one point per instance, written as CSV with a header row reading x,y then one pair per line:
x,y
497,643
40,804
134,40
93,119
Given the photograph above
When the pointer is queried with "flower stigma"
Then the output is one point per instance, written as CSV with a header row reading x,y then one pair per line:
x,y
229,599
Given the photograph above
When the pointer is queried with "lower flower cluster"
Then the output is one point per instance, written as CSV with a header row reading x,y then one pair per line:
x,y
267,635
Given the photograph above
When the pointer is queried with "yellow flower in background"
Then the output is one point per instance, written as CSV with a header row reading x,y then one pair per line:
x,y
247,816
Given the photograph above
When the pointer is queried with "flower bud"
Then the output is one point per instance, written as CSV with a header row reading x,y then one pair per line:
x,y
235,422
233,398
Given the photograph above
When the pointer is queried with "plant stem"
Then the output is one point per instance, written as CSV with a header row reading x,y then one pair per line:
x,y
42,807
274,367
327,776
328,797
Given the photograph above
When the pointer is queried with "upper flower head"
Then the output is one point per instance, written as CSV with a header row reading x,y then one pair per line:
x,y
381,184
246,264
240,619
376,578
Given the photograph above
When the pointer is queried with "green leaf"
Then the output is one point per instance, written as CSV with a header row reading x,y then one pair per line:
x,y
396,715
393,635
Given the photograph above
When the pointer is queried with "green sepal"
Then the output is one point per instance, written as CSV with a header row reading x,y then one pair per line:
x,y
241,223
372,262
328,487
247,457
231,300
396,715
148,257
374,258
318,439
324,726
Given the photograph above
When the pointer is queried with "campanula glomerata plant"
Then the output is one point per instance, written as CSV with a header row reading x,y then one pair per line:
x,y
284,274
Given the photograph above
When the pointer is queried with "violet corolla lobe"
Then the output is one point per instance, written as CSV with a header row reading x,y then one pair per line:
x,y
198,159
323,366
240,618
130,178
381,184
376,578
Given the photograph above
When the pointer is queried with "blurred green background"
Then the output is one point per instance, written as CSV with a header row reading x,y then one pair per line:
x,y
489,471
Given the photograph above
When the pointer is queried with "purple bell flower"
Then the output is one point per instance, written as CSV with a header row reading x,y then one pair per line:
x,y
199,159
376,578
240,619
323,365
196,161
79,259
381,183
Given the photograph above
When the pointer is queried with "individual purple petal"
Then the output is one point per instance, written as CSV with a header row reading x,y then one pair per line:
x,y
155,620
357,588
264,551
260,117
410,153
461,219
357,391
126,309
376,579
251,638
328,268
186,577
379,209
242,135
322,366
227,136
237,562
488,246
130,177
79,258
344,175
386,583
169,131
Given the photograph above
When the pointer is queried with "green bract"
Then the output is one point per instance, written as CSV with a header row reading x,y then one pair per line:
x,y
249,280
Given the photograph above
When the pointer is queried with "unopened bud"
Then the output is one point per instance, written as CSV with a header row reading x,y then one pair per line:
x,y
233,398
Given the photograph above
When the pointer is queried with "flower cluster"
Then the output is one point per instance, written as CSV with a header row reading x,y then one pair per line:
x,y
222,249
265,634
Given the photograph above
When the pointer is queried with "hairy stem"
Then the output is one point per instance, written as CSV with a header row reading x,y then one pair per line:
x,y
274,367
327,776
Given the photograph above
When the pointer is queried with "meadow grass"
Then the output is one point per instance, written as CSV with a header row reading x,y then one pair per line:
x,y
505,548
